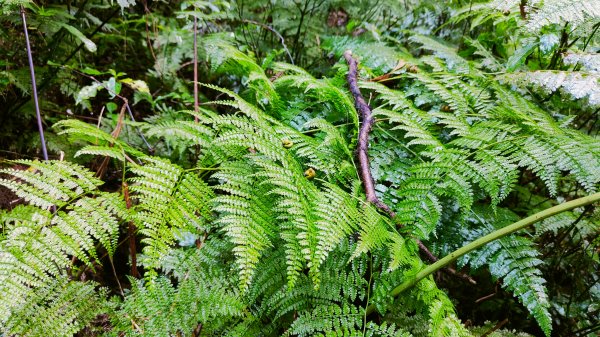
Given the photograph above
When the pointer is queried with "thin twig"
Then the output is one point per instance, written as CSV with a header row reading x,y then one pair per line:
x,y
131,233
363,156
125,102
197,330
48,79
116,276
485,298
496,327
34,85
272,30
195,69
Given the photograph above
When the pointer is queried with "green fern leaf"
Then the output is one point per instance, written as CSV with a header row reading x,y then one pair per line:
x,y
558,11
515,260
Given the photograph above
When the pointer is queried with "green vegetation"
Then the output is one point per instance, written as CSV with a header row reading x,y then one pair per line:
x,y
440,179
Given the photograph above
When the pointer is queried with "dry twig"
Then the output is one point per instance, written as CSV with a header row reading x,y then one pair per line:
x,y
363,156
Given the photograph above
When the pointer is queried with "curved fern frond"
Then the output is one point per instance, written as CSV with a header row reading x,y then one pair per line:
x,y
47,184
515,260
454,62
375,55
39,246
58,308
568,221
573,12
157,308
195,133
580,85
171,201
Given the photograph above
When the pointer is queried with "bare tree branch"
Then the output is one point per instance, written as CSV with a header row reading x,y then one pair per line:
x,y
363,156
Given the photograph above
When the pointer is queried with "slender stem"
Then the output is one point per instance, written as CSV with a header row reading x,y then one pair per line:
x,y
196,69
48,79
34,86
131,229
125,104
524,223
272,30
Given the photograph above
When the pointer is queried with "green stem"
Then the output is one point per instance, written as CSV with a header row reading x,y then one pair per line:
x,y
528,221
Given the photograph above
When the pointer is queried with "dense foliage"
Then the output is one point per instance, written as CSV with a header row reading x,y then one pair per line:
x,y
241,210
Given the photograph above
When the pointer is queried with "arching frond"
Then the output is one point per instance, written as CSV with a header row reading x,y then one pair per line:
x,y
573,12
515,260
170,201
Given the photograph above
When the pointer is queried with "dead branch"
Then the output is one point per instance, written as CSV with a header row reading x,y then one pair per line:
x,y
363,155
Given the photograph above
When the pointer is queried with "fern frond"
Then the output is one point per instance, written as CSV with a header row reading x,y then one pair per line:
x,y
323,91
102,143
337,215
47,184
420,208
244,106
394,98
104,151
548,155
579,85
589,61
574,12
38,247
333,319
374,232
567,220
227,58
245,215
373,54
454,62
296,199
455,99
414,126
515,260
58,308
170,201
488,61
157,308
195,133
325,319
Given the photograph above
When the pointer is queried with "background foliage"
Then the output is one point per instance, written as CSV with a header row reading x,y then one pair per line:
x,y
245,216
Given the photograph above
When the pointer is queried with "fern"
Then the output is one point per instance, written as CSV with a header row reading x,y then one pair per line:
x,y
37,252
102,142
157,308
589,61
245,214
577,84
377,56
260,226
453,61
567,221
171,201
60,307
325,321
560,11
516,261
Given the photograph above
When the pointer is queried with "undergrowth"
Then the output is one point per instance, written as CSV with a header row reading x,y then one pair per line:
x,y
244,212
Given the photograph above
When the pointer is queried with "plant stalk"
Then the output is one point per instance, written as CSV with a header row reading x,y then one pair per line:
x,y
196,69
521,224
34,86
